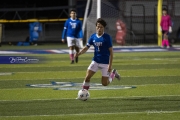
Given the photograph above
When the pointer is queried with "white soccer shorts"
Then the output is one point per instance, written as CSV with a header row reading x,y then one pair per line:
x,y
94,66
73,41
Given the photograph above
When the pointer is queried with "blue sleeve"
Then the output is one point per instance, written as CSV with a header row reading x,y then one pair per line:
x,y
109,41
81,32
65,29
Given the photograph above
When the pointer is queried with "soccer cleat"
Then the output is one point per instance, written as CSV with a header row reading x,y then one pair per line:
x,y
72,62
76,59
116,74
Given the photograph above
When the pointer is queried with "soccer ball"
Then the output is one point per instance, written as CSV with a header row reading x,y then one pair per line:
x,y
83,95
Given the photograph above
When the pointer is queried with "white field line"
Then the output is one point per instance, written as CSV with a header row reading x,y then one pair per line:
x,y
85,114
85,70
55,79
5,73
97,98
82,78
92,89
88,64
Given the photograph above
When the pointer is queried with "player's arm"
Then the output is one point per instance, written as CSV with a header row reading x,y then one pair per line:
x,y
80,34
82,51
85,48
80,30
64,31
170,24
110,59
161,23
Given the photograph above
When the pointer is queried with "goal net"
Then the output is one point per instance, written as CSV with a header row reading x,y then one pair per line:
x,y
139,17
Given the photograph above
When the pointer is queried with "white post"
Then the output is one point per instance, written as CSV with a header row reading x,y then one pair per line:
x,y
98,9
85,16
85,20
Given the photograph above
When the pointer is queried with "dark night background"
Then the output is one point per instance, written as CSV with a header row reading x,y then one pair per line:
x,y
18,10
30,3
51,14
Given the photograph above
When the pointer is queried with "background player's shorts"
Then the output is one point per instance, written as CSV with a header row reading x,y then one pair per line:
x,y
94,66
73,41
165,32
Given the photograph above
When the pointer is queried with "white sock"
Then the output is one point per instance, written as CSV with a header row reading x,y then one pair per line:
x,y
86,85
71,52
110,79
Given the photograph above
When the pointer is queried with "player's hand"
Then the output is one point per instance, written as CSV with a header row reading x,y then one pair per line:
x,y
109,69
63,41
160,29
170,29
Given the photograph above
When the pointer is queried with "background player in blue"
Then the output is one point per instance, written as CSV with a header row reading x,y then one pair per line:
x,y
103,56
73,32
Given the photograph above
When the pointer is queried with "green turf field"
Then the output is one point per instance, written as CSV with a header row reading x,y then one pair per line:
x,y
156,76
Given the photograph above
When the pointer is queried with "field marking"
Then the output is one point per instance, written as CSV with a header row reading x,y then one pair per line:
x,y
93,77
117,69
156,84
6,73
77,86
97,98
29,87
13,52
38,66
128,87
148,112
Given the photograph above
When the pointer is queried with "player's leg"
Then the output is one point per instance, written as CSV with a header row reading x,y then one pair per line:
x,y
163,42
71,54
86,83
167,41
71,45
92,69
77,47
108,77
77,51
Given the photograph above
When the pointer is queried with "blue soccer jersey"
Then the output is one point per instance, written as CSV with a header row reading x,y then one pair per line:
x,y
101,47
72,28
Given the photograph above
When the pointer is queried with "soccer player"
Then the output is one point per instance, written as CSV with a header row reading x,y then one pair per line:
x,y
73,31
166,27
103,56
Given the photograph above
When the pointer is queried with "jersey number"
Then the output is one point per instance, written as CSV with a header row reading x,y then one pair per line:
x,y
73,25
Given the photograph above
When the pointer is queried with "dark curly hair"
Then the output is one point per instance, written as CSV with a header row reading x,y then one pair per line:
x,y
164,9
101,21
72,10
